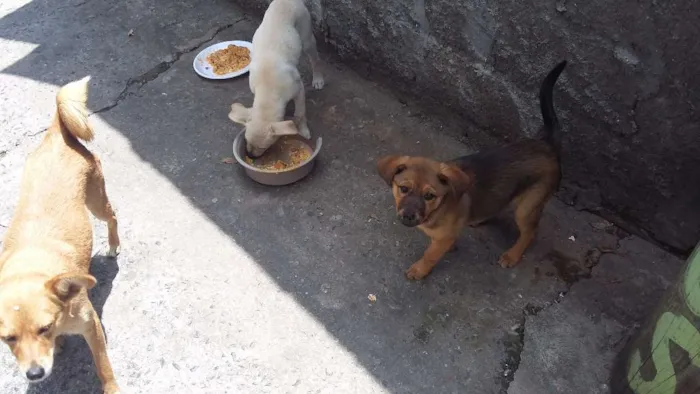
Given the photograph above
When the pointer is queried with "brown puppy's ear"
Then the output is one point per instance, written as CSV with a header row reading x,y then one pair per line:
x,y
389,166
239,113
66,286
455,178
286,127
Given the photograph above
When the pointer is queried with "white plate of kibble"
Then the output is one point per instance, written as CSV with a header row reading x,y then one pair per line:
x,y
202,66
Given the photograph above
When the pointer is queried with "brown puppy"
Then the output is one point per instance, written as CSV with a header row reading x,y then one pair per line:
x,y
44,267
440,198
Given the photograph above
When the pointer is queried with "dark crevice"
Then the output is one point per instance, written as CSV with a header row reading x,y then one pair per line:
x,y
514,343
633,115
133,85
515,340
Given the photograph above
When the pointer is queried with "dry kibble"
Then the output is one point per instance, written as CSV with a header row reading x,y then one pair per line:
x,y
229,59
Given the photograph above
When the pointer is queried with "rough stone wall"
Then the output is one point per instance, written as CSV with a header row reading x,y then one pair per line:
x,y
632,143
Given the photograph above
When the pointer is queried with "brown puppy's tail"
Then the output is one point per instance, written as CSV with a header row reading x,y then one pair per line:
x,y
552,128
71,110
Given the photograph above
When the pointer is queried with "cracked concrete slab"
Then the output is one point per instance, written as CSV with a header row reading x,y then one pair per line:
x,y
224,285
571,342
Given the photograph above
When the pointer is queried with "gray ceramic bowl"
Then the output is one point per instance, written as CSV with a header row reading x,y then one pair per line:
x,y
281,177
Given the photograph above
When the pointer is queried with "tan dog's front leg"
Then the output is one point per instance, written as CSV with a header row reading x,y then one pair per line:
x,y
95,338
437,249
300,112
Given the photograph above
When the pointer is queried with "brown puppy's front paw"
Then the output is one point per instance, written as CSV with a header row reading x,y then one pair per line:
x,y
509,259
417,271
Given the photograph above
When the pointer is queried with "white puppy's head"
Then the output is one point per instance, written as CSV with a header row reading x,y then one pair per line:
x,y
260,135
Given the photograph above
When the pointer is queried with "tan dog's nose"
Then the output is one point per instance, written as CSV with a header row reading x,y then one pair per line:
x,y
36,373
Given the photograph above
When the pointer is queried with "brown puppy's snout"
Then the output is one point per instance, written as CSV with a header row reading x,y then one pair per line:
x,y
411,211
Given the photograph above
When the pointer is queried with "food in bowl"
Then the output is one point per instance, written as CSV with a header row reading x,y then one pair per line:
x,y
286,154
228,60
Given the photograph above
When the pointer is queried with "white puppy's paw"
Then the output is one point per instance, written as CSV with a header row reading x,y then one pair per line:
x,y
318,82
113,251
302,127
305,132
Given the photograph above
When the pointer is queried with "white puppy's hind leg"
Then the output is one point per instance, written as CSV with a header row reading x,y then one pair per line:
x,y
311,52
308,43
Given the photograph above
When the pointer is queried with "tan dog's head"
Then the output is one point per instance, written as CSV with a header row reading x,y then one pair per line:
x,y
421,185
32,309
260,135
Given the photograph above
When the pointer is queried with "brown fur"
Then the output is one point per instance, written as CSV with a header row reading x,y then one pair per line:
x,y
44,266
441,198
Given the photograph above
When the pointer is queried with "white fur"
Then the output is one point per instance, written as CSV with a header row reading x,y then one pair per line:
x,y
284,33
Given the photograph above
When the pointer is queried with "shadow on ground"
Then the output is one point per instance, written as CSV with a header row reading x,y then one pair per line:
x,y
329,240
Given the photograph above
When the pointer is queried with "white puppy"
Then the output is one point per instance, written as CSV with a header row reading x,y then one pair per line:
x,y
274,78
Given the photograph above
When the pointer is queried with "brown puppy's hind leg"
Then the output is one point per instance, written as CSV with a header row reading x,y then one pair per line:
x,y
528,210
437,249
98,203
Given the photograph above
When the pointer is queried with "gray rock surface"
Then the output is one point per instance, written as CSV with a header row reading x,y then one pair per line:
x,y
225,286
631,145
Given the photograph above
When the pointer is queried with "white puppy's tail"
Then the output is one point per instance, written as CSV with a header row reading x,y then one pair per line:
x,y
71,110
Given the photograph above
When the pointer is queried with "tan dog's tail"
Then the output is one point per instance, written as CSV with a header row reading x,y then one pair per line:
x,y
71,110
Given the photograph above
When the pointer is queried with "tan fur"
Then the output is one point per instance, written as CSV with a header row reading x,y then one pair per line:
x,y
70,106
284,33
44,265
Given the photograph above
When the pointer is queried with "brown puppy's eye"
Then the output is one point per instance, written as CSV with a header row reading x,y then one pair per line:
x,y
428,196
45,329
11,339
403,189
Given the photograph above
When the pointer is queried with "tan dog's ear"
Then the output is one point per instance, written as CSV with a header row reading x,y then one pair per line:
x,y
455,178
286,127
389,166
239,113
66,286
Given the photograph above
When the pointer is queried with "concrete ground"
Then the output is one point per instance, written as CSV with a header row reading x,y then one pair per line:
x,y
224,285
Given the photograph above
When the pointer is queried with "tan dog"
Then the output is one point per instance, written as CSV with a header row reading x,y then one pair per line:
x,y
44,266
441,198
274,78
